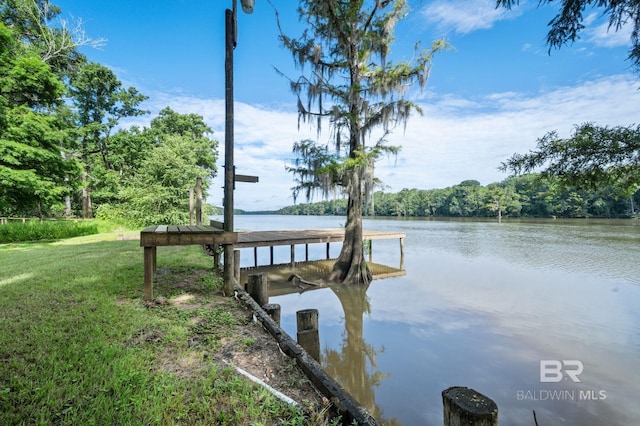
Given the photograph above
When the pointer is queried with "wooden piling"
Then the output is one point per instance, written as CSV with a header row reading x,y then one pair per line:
x,y
149,269
308,334
258,288
216,257
236,265
273,310
464,406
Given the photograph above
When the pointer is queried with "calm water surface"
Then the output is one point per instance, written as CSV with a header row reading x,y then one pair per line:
x,y
481,305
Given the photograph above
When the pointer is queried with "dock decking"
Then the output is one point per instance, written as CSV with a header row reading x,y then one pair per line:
x,y
304,236
162,235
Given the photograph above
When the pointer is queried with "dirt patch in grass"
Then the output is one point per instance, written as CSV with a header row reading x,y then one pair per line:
x,y
254,350
222,330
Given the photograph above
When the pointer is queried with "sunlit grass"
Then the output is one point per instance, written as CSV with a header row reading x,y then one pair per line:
x,y
78,345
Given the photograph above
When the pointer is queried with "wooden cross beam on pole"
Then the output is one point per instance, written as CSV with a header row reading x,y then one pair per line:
x,y
243,178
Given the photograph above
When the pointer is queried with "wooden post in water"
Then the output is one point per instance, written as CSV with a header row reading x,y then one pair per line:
x,y
273,310
464,406
293,255
308,335
258,288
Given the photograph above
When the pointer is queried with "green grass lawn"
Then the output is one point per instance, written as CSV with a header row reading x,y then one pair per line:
x,y
78,346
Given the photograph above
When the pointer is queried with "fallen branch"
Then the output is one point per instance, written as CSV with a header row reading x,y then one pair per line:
x,y
297,279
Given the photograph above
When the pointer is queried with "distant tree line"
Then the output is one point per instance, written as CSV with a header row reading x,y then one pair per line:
x,y
530,195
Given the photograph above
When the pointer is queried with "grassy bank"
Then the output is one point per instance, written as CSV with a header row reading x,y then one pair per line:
x,y
78,345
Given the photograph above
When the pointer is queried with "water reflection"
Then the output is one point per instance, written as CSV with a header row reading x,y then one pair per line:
x,y
348,363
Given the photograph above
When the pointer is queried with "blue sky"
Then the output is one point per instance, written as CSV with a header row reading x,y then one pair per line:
x,y
495,93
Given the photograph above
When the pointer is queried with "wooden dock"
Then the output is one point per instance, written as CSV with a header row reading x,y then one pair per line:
x,y
162,235
292,238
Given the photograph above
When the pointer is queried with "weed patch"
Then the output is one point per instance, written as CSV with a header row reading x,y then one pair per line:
x,y
35,230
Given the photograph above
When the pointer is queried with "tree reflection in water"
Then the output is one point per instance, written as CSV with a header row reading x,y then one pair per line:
x,y
349,366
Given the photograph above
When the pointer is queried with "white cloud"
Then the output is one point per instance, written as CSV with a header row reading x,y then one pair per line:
x,y
602,35
465,16
456,139
449,145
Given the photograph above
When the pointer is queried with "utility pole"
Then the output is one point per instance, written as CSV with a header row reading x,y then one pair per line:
x,y
231,17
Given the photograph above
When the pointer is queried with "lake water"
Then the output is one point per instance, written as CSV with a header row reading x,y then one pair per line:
x,y
481,305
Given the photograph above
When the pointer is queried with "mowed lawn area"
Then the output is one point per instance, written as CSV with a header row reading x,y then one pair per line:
x,y
79,346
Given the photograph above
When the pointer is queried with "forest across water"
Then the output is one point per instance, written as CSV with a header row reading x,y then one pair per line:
x,y
531,195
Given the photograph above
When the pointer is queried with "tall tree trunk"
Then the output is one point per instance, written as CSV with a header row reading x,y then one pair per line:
x,y
351,266
87,210
67,203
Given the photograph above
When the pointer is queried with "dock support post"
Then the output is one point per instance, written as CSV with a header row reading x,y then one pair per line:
x,y
273,310
255,257
149,269
328,251
401,253
258,288
306,252
229,274
216,257
308,334
236,266
271,255
293,255
464,406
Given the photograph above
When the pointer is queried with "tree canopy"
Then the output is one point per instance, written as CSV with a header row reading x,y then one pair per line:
x,y
33,174
593,156
63,150
159,165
